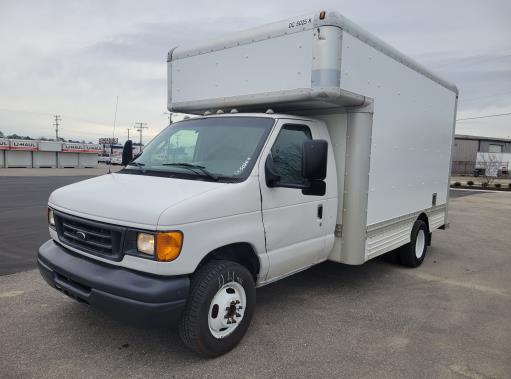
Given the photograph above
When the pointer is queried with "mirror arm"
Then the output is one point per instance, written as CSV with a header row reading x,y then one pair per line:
x,y
272,178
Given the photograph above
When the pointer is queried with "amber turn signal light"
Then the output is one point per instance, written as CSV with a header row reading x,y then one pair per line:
x,y
322,15
168,246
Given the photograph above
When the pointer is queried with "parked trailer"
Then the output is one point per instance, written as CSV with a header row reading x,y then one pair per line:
x,y
47,154
4,145
20,153
315,141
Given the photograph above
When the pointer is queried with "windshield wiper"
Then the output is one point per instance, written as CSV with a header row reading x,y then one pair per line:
x,y
194,168
137,164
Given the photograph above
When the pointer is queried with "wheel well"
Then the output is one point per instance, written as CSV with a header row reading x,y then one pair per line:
x,y
242,253
424,217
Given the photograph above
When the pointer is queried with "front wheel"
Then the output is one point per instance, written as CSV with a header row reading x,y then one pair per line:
x,y
413,253
219,308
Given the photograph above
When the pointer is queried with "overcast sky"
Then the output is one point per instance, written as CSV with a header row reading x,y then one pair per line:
x,y
74,57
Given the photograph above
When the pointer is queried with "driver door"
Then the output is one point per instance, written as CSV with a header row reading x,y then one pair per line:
x,y
293,222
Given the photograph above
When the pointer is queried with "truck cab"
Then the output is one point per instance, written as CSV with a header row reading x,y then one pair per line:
x,y
222,187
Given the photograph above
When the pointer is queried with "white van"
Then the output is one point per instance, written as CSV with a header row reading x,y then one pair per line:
x,y
313,141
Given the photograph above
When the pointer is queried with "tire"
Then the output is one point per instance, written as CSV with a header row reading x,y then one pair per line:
x,y
413,253
213,322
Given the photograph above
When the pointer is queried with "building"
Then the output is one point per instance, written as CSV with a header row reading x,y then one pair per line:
x,y
47,154
469,152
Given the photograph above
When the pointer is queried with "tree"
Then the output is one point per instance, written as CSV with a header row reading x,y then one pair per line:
x,y
15,136
1,134
490,163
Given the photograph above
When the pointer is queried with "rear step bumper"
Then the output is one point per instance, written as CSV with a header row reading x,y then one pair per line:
x,y
127,295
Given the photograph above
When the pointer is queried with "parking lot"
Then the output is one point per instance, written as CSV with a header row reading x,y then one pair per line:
x,y
448,318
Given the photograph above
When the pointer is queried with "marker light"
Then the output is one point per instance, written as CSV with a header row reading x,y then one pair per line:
x,y
51,217
145,243
168,246
322,15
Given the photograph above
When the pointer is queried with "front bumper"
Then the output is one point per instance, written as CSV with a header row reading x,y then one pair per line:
x,y
125,294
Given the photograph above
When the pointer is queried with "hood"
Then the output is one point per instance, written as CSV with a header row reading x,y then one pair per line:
x,y
130,200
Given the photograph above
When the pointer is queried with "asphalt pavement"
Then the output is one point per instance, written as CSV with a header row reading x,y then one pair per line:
x,y
23,218
449,318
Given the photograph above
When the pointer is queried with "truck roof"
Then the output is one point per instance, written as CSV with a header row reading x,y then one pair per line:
x,y
308,21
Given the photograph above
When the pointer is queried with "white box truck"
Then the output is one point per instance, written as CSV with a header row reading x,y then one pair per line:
x,y
313,141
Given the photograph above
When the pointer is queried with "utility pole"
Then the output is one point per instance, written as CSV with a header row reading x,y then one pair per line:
x,y
139,127
128,133
56,125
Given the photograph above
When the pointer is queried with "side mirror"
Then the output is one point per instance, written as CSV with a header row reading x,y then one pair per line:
x,y
272,178
315,153
127,152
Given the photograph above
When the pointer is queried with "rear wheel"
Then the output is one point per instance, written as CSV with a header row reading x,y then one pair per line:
x,y
219,308
413,253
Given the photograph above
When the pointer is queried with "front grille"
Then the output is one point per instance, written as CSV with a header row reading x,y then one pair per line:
x,y
92,237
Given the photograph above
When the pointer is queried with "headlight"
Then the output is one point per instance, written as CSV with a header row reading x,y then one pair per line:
x,y
145,243
163,246
51,218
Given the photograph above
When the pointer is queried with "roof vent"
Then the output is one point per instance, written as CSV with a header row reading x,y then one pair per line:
x,y
269,111
207,113
219,111
234,110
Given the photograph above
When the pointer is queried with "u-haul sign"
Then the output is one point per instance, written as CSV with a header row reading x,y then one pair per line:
x,y
17,144
72,147
80,148
92,149
4,144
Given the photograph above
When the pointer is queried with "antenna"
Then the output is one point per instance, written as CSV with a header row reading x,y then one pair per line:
x,y
113,136
170,116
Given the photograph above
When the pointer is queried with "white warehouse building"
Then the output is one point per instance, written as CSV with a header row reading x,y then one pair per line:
x,y
47,154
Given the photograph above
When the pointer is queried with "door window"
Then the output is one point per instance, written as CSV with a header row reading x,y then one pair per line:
x,y
287,153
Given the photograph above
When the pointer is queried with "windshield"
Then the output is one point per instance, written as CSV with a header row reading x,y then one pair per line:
x,y
216,148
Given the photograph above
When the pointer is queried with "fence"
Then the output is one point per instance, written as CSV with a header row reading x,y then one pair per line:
x,y
477,168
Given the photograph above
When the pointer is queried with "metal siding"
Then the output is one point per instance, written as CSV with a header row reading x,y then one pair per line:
x,y
464,150
269,66
44,159
412,131
15,158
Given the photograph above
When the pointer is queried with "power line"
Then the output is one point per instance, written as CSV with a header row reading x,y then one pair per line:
x,y
464,99
486,116
57,118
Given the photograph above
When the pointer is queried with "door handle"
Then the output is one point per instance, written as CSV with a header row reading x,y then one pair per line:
x,y
320,211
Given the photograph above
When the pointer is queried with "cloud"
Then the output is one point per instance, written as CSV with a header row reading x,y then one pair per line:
x,y
74,57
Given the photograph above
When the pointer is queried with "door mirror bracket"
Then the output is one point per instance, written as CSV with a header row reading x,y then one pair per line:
x,y
272,178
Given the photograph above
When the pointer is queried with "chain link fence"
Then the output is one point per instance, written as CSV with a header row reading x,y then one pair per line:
x,y
477,168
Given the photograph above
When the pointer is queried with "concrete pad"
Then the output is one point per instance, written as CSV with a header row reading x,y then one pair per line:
x,y
449,318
